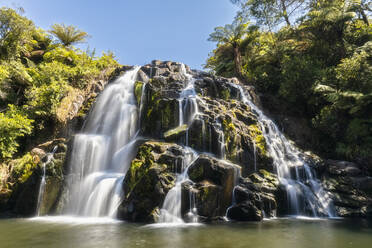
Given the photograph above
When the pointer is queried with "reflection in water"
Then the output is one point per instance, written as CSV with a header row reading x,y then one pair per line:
x,y
281,233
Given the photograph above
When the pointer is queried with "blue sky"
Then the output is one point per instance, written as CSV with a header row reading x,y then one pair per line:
x,y
138,31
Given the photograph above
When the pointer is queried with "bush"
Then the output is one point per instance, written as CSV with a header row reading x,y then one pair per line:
x,y
13,124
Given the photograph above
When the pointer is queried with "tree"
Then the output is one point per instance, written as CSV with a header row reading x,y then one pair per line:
x,y
68,35
364,9
15,33
272,12
233,34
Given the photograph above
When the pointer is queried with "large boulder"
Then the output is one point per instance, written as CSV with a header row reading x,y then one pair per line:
x,y
256,197
212,187
349,187
149,179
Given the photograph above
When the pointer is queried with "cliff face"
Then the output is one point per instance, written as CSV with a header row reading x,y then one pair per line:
x,y
230,167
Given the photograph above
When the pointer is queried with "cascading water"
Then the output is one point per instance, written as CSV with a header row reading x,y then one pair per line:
x,y
102,153
171,210
285,157
188,111
49,157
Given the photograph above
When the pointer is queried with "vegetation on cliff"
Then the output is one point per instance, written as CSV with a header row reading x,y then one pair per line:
x,y
314,57
40,72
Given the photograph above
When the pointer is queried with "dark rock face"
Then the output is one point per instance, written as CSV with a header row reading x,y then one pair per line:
x,y
25,178
256,197
214,181
225,126
150,177
350,188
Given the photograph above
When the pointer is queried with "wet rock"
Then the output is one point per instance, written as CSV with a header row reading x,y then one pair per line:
x,y
25,178
256,197
230,130
142,76
212,192
246,211
150,177
350,189
343,168
176,133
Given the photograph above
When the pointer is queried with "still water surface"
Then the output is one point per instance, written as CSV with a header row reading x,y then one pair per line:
x,y
102,233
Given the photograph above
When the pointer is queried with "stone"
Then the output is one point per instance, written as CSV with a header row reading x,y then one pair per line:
x,y
149,179
26,175
214,182
256,197
246,211
343,168
142,76
175,133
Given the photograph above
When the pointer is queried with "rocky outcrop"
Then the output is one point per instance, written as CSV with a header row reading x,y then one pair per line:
x,y
256,197
211,188
224,126
150,177
349,187
24,178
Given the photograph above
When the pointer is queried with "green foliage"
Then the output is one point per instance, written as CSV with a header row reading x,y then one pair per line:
x,y
15,33
22,168
230,33
13,124
38,78
321,68
68,35
272,12
44,100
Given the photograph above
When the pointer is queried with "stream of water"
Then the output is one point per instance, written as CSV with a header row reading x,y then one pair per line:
x,y
303,189
103,151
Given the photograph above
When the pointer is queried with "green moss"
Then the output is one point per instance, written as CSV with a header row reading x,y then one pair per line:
x,y
175,131
205,194
225,94
140,166
86,106
138,91
23,168
196,173
229,131
166,116
258,138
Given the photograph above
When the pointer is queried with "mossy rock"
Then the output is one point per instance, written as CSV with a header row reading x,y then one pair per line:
x,y
258,139
214,183
25,178
176,133
148,180
138,88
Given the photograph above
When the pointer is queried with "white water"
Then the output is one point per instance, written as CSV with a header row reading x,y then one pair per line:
x,y
102,153
49,157
188,110
286,156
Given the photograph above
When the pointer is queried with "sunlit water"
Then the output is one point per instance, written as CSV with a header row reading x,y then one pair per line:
x,y
286,233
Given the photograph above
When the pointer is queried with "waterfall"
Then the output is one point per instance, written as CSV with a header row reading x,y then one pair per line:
x,y
286,156
40,197
188,110
171,209
102,153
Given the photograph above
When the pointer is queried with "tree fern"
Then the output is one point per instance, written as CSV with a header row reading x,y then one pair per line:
x,y
68,35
